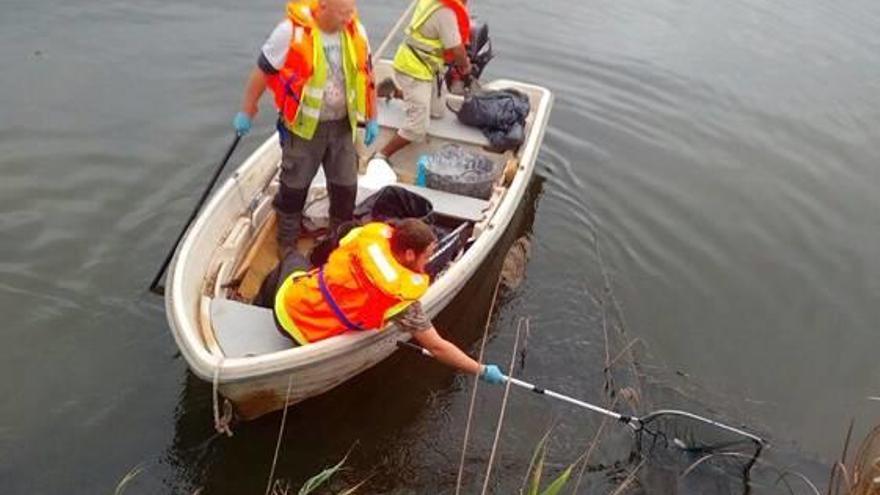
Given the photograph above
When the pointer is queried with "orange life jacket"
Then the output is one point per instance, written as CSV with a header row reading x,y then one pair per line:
x,y
359,288
464,21
289,83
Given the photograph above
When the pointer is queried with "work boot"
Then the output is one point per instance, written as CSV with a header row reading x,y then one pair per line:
x,y
288,231
342,200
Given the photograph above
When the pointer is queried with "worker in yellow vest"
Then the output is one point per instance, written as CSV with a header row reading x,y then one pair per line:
x,y
376,275
436,35
317,62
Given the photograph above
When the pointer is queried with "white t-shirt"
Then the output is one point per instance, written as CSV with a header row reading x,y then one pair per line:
x,y
274,53
333,107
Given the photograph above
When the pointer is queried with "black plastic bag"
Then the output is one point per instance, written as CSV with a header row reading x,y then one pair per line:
x,y
388,203
501,141
494,109
501,115
392,202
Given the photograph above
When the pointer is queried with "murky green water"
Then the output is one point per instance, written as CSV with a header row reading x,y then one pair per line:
x,y
725,153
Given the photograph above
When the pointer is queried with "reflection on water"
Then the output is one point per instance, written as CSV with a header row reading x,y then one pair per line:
x,y
723,154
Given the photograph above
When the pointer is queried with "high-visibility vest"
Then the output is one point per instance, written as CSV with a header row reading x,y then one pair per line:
x,y
299,85
359,288
421,57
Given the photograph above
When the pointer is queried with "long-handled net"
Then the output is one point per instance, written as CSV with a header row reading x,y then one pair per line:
x,y
696,448
671,437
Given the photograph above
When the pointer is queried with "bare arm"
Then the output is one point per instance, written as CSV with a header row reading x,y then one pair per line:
x,y
256,86
447,352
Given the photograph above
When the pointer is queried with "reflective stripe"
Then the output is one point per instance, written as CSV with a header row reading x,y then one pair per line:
x,y
314,92
281,309
310,112
307,61
382,263
312,102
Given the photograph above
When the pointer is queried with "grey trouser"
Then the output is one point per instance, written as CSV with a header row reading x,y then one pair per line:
x,y
332,147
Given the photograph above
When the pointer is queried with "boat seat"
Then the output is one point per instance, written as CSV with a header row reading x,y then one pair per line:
x,y
392,114
244,330
450,204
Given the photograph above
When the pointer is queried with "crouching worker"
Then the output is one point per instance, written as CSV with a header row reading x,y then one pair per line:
x,y
376,275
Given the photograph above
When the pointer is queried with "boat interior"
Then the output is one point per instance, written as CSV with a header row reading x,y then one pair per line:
x,y
233,327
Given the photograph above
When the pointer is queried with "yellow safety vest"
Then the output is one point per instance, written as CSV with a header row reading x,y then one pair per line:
x,y
299,85
418,56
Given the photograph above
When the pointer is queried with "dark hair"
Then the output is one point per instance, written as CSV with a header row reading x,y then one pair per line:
x,y
411,233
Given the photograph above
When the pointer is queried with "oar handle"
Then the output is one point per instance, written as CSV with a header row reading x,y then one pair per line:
x,y
632,422
394,29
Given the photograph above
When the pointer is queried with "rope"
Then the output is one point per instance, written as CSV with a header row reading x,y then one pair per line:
x,y
221,423
470,416
280,435
503,405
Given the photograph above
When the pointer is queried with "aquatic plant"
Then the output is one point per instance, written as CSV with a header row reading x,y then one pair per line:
x,y
862,475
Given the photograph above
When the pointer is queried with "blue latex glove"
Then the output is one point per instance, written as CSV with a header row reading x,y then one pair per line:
x,y
421,171
371,132
492,374
242,123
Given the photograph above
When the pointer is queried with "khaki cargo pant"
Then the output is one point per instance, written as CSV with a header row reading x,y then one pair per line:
x,y
423,101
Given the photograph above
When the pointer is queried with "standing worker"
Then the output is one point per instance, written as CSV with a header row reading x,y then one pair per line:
x,y
438,32
318,64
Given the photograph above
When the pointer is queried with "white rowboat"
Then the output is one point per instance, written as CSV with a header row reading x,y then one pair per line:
x,y
229,248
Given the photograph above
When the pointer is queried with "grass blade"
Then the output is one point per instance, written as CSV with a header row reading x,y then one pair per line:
x,y
315,481
559,483
538,471
534,458
127,478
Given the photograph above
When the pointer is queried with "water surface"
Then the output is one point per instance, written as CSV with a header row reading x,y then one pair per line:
x,y
722,153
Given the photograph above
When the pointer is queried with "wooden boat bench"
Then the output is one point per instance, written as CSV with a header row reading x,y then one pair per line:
x,y
451,205
245,330
392,114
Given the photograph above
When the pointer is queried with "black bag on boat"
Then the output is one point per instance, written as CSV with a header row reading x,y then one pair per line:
x,y
392,202
388,203
500,114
